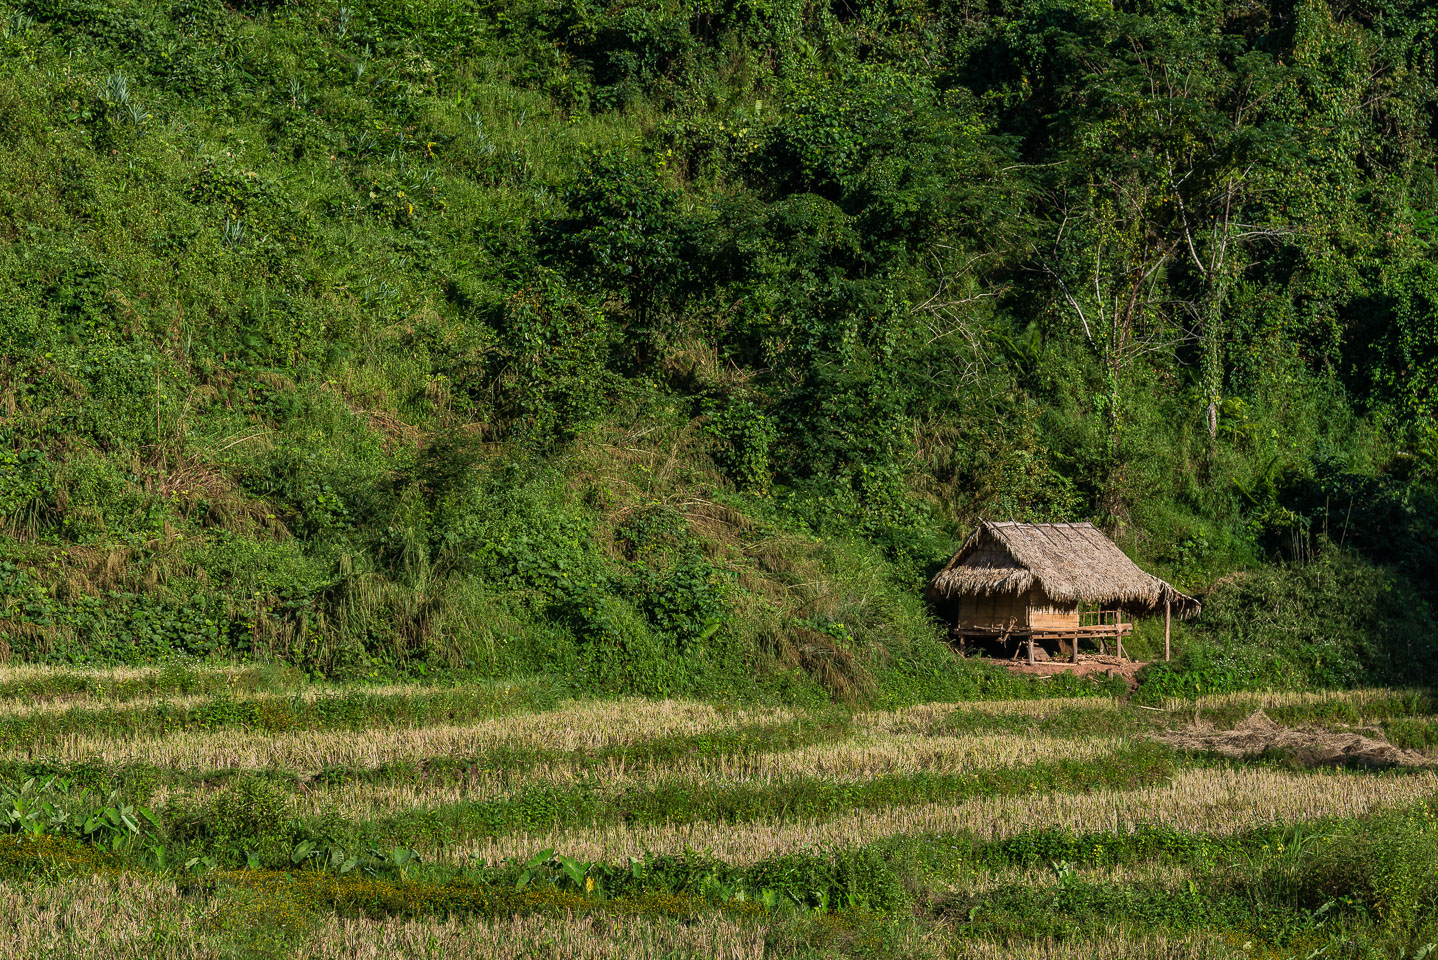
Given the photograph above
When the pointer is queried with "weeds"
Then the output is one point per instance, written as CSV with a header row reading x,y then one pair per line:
x,y
55,808
973,852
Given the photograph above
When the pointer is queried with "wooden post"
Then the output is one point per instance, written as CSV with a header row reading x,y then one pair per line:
x,y
1167,611
1118,628
1031,649
1076,638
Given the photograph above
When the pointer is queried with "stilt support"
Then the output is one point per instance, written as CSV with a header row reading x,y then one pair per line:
x,y
1167,618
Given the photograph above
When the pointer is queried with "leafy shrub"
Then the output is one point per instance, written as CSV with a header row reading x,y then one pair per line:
x,y
27,493
1386,864
627,45
625,236
745,436
1334,622
859,878
554,381
249,814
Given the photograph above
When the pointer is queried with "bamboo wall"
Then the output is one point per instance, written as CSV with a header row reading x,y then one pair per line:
x,y
1001,612
1048,614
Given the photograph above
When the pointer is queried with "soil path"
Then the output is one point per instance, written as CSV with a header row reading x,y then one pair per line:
x,y
1100,665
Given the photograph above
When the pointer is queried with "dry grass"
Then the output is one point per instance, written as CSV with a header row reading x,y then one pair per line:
x,y
134,917
1042,879
92,682
1120,943
499,689
27,704
103,917
1267,700
17,709
850,761
127,917
32,673
584,937
93,679
1217,801
112,685
581,726
1257,734
865,758
926,716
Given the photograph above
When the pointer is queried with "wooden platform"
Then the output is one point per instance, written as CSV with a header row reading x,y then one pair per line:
x,y
1066,633
1067,639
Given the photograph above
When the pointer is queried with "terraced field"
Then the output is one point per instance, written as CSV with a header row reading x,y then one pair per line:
x,y
244,812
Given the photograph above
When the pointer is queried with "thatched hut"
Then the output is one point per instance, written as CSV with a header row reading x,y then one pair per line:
x,y
1055,583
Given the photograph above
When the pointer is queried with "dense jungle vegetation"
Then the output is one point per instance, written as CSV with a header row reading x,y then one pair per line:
x,y
670,347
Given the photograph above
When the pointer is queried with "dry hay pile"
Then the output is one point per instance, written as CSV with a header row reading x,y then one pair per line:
x,y
1257,734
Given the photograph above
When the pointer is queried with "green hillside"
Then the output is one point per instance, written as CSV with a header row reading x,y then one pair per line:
x,y
670,348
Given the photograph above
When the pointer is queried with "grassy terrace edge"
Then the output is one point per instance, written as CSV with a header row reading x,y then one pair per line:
x,y
1277,887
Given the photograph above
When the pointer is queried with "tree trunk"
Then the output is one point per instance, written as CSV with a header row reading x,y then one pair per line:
x,y
1212,373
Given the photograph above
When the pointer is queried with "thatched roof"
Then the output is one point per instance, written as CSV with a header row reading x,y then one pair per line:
x,y
1070,562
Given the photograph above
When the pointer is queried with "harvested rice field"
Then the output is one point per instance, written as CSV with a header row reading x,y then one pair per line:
x,y
244,813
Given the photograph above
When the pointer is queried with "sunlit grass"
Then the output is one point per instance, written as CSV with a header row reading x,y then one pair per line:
x,y
846,762
113,916
928,716
1123,942
1216,801
636,778
1359,699
15,709
586,937
582,726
